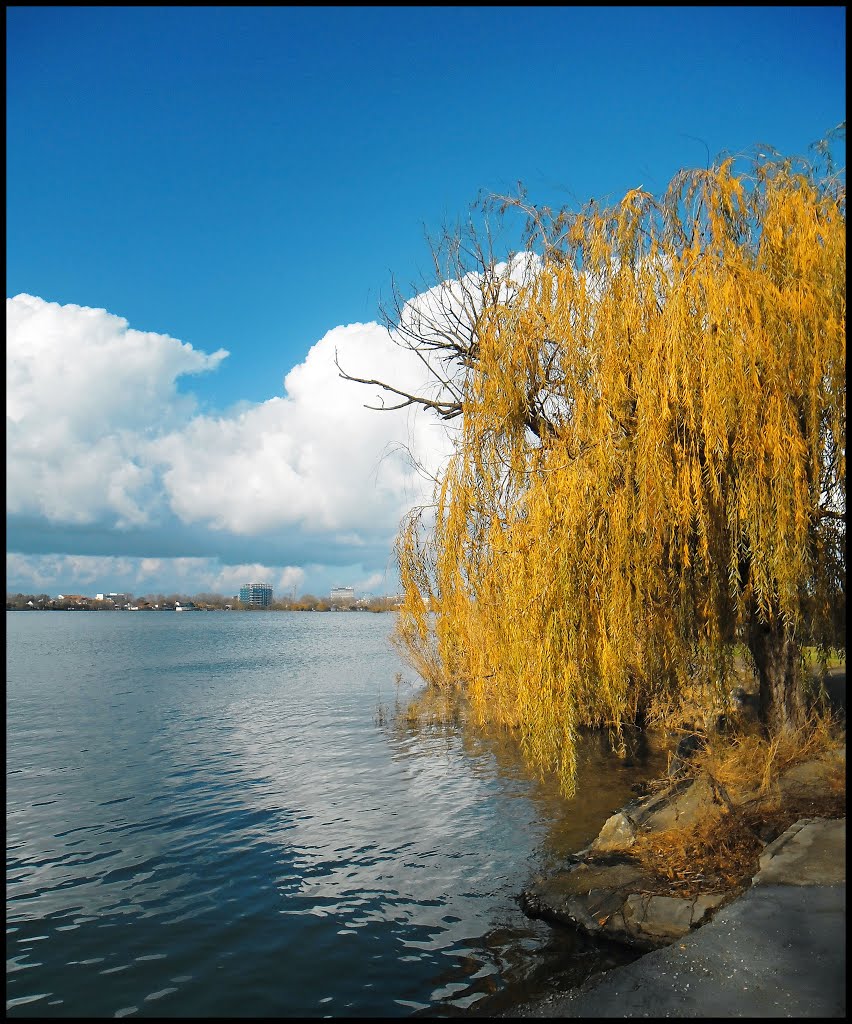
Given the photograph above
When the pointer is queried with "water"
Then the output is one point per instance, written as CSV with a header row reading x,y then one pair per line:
x,y
224,815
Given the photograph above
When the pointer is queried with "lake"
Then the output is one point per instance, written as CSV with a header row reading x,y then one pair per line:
x,y
229,815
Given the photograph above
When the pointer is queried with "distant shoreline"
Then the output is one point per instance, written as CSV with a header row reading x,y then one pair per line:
x,y
83,608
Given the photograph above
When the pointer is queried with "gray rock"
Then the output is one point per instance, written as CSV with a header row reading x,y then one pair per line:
x,y
618,833
685,801
662,919
810,852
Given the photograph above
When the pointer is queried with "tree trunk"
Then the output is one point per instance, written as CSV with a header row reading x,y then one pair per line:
x,y
776,657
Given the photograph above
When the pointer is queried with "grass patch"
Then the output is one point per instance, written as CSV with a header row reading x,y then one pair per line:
x,y
749,764
712,856
722,851
815,659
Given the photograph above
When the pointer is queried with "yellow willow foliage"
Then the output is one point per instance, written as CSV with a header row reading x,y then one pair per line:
x,y
688,357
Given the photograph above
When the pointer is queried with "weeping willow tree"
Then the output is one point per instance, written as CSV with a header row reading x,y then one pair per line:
x,y
649,467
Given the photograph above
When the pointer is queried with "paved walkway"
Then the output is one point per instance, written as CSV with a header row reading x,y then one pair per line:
x,y
779,950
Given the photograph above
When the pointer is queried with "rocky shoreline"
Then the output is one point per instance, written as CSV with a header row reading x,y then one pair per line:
x,y
776,888
613,893
778,950
608,892
618,896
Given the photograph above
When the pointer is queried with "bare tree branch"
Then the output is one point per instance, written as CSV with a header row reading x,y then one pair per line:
x,y
446,410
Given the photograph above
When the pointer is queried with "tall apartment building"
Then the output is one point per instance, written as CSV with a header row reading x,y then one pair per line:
x,y
257,595
342,596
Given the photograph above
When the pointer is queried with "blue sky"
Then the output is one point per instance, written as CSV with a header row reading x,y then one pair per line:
x,y
183,182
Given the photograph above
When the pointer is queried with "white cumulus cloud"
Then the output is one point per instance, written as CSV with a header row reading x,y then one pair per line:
x,y
316,457
99,439
83,392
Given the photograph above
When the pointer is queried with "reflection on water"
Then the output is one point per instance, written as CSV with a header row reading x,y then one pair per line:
x,y
605,781
527,960
230,815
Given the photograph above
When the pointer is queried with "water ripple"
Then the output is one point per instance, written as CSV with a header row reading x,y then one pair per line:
x,y
214,825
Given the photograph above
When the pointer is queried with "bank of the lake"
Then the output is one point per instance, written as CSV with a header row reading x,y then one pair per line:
x,y
771,945
777,950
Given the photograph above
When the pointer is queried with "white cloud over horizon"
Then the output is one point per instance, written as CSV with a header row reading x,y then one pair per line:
x,y
102,444
139,576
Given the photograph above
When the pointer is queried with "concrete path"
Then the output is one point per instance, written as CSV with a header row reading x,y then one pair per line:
x,y
779,950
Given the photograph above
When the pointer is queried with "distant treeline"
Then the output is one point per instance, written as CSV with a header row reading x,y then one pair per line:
x,y
200,602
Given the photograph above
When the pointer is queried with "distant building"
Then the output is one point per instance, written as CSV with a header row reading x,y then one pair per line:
x,y
256,595
342,596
